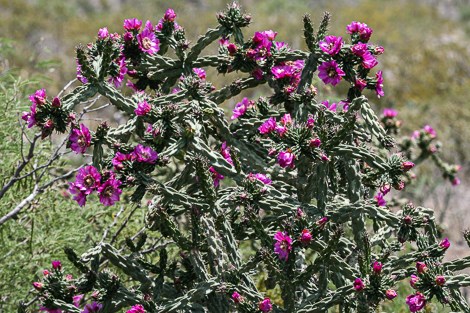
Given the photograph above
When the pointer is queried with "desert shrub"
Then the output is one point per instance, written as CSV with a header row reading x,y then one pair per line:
x,y
295,179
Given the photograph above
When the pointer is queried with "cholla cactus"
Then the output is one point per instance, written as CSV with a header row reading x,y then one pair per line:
x,y
298,180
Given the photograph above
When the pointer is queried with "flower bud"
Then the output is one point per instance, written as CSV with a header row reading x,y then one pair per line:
x,y
440,280
444,244
358,285
56,265
56,102
236,297
316,142
306,237
38,286
377,267
407,165
421,267
390,294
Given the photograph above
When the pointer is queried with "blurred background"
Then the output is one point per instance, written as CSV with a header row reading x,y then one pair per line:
x,y
427,79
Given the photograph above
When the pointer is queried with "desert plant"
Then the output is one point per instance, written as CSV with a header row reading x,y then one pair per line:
x,y
298,181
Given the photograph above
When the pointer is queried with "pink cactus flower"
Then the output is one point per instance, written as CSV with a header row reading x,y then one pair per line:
x,y
416,302
283,245
80,139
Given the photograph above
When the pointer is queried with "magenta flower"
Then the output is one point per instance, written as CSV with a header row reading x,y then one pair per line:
x,y
148,42
117,80
413,280
145,154
358,285
305,237
109,191
416,302
241,108
80,139
103,33
80,76
265,305
88,179
257,74
77,300
225,151
377,267
93,307
119,158
263,178
331,107
283,245
390,294
132,24
216,177
39,97
440,280
79,193
379,85
330,73
331,44
430,131
286,119
455,181
444,244
360,84
136,309
30,117
281,130
142,108
368,60
56,264
379,197
286,159
268,126
200,73
282,71
390,113
236,297
170,15
360,28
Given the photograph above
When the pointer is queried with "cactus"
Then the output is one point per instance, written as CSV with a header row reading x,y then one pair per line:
x,y
299,181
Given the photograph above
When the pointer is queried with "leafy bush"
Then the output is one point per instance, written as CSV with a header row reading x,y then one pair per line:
x,y
298,182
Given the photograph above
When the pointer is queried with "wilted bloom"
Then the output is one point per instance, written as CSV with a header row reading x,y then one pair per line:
x,y
148,42
170,15
331,44
268,126
407,165
79,193
136,309
360,84
77,300
93,307
119,158
455,181
377,267
80,139
379,197
444,244
358,284
413,280
241,108
310,121
236,297
390,113
283,245
330,73
142,108
56,265
390,294
286,159
110,192
421,267
145,154
217,177
440,280
286,119
200,73
416,302
257,74
132,24
117,80
265,305
38,286
379,85
330,106
103,33
56,102
305,237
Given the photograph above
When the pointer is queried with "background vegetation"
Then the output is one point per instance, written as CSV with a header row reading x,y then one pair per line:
x,y
37,49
